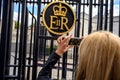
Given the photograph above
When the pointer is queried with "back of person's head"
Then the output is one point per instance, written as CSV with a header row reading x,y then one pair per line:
x,y
99,57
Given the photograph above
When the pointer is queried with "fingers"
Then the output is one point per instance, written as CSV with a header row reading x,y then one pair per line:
x,y
63,39
59,40
67,38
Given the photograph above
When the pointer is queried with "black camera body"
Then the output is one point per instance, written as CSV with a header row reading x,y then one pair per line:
x,y
75,41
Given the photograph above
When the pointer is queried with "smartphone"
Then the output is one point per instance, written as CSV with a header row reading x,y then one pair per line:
x,y
75,41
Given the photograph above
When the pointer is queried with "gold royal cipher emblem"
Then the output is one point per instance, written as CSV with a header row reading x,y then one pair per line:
x,y
59,18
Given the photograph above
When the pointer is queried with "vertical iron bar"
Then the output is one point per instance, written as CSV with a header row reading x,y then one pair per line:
x,y
83,19
58,70
4,37
78,30
78,9
106,15
94,1
111,16
98,18
90,17
87,2
101,15
51,49
21,46
41,43
25,45
35,50
0,8
10,25
77,33
17,38
31,40
119,18
72,2
64,65
44,41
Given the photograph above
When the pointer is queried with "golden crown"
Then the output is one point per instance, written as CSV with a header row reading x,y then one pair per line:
x,y
60,10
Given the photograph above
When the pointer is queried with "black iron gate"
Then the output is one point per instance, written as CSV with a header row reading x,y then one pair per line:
x,y
25,44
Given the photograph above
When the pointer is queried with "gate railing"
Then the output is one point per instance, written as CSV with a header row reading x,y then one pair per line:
x,y
25,44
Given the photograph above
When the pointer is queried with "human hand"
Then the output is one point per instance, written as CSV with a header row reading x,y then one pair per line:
x,y
63,44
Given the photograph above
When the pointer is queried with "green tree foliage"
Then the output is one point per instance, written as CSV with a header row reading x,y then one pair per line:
x,y
16,24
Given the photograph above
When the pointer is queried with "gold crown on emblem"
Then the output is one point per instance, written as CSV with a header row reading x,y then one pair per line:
x,y
59,10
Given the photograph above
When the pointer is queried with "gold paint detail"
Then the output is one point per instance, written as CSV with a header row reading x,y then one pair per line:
x,y
58,20
60,10
52,22
64,23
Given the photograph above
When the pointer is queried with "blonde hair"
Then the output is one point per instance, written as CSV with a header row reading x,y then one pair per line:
x,y
99,57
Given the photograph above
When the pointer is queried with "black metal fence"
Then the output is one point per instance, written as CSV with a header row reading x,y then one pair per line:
x,y
25,44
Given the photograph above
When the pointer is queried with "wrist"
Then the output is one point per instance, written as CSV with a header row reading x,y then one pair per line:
x,y
58,52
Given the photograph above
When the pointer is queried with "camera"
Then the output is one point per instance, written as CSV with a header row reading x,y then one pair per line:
x,y
75,41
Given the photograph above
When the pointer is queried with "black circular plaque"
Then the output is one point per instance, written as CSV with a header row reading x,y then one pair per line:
x,y
59,18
